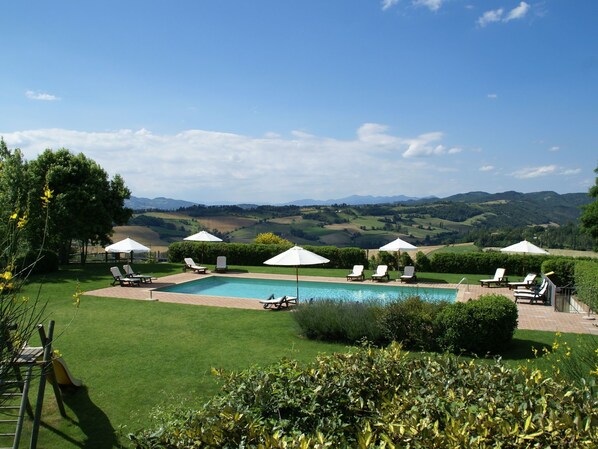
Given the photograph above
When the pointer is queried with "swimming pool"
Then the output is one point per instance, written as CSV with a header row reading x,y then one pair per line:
x,y
263,288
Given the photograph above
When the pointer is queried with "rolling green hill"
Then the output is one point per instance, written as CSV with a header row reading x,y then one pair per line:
x,y
463,217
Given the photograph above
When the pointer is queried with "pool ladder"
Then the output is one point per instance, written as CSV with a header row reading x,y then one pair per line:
x,y
460,282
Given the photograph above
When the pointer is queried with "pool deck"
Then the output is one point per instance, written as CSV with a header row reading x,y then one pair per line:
x,y
531,316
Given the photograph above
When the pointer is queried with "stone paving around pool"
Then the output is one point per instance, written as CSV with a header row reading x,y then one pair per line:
x,y
531,316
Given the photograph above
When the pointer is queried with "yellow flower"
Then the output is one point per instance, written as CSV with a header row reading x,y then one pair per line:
x,y
22,222
77,297
14,216
47,196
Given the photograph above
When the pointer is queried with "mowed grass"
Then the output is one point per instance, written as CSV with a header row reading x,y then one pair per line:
x,y
135,356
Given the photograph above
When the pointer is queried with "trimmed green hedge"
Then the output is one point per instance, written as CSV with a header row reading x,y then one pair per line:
x,y
564,270
481,326
486,263
253,254
586,283
383,398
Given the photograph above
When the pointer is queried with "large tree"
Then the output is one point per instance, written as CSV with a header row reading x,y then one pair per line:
x,y
589,217
86,204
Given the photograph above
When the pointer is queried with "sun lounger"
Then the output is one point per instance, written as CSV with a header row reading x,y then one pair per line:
x,y
533,295
498,279
130,274
191,265
408,274
381,273
123,280
526,283
221,266
278,303
356,274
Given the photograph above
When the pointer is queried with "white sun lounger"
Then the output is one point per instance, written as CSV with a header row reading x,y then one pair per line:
x,y
356,274
278,303
381,273
191,265
499,278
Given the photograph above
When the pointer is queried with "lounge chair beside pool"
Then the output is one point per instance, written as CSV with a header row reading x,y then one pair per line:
x,y
356,274
221,266
123,280
408,274
278,303
191,265
130,274
526,283
381,273
498,279
533,295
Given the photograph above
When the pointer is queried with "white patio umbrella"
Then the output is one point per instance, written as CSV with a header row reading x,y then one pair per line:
x,y
203,236
398,245
127,245
523,247
295,257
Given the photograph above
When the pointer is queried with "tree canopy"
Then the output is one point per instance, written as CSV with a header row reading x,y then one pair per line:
x,y
589,217
85,206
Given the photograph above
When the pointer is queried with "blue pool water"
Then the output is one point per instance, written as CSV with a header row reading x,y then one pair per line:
x,y
263,288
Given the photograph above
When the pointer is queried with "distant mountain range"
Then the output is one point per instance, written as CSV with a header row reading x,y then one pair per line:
x,y
159,203
162,203
539,198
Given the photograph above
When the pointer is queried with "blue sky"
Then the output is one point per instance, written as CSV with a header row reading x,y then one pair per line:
x,y
273,101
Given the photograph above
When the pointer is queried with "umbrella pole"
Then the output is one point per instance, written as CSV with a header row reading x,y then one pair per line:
x,y
297,275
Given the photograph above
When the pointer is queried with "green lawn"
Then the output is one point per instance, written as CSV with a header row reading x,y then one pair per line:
x,y
134,356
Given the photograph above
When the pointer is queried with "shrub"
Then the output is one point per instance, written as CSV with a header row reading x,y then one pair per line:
x,y
252,254
410,322
42,262
405,259
486,263
331,320
383,398
481,326
422,262
564,270
586,283
269,238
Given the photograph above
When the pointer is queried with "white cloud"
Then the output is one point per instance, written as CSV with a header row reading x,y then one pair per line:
x,y
518,13
490,17
498,15
40,96
432,5
388,3
487,168
554,148
535,172
423,145
207,166
571,171
492,96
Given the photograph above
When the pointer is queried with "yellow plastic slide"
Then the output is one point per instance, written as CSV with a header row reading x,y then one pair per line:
x,y
64,378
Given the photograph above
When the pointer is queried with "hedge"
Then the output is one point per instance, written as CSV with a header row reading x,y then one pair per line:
x,y
373,398
481,326
42,262
252,254
486,263
586,283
